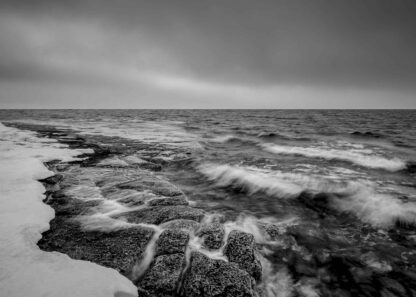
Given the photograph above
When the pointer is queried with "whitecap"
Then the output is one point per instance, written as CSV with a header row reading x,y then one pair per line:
x,y
359,198
366,158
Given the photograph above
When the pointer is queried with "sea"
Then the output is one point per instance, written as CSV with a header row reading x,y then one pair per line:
x,y
343,182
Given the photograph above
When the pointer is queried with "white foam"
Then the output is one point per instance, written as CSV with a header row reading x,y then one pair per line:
x,y
25,270
197,244
380,210
306,287
358,197
250,179
140,268
166,132
276,283
363,157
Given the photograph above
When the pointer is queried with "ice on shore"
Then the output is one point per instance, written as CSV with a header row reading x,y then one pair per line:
x,y
25,270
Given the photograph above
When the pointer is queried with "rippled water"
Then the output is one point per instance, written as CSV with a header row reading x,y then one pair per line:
x,y
347,174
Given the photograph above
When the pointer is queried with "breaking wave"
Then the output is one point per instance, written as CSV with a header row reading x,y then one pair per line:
x,y
356,197
365,158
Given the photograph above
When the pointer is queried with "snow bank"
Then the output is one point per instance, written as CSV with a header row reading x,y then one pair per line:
x,y
25,270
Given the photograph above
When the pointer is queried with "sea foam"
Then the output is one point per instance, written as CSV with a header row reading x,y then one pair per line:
x,y
359,198
365,158
25,269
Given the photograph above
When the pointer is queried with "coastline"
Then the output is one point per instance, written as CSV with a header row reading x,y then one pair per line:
x,y
125,205
26,270
165,232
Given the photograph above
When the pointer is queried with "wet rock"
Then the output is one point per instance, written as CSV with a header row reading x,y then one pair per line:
x,y
52,179
208,278
131,201
273,231
368,134
187,225
142,292
309,236
241,249
213,234
164,274
154,185
66,206
172,242
119,250
179,200
151,166
158,215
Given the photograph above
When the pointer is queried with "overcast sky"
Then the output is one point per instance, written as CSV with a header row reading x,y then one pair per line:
x,y
208,54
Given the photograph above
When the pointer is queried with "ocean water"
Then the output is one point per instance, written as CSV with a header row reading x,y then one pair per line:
x,y
346,174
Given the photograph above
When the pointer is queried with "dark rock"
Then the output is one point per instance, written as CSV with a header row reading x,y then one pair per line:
x,y
267,134
187,225
150,166
157,186
216,278
164,274
172,242
52,179
158,215
131,201
277,233
178,200
212,234
141,293
241,249
66,206
273,231
119,250
366,134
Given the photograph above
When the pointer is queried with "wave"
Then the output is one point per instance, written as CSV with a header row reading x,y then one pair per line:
x,y
274,135
364,158
367,134
233,139
165,132
355,197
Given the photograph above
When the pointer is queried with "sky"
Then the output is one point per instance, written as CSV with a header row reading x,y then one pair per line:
x,y
208,54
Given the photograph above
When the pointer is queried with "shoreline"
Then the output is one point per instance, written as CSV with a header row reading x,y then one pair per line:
x,y
121,208
27,270
164,234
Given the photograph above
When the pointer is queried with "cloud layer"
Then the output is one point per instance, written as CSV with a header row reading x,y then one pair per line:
x,y
208,54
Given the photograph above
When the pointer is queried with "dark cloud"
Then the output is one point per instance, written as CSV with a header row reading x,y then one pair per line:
x,y
360,44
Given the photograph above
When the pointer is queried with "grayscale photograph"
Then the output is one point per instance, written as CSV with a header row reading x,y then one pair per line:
x,y
208,148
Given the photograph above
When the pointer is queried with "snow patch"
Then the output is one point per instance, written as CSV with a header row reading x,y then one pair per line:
x,y
25,269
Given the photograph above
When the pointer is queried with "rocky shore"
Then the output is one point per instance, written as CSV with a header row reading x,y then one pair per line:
x,y
155,250
116,208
